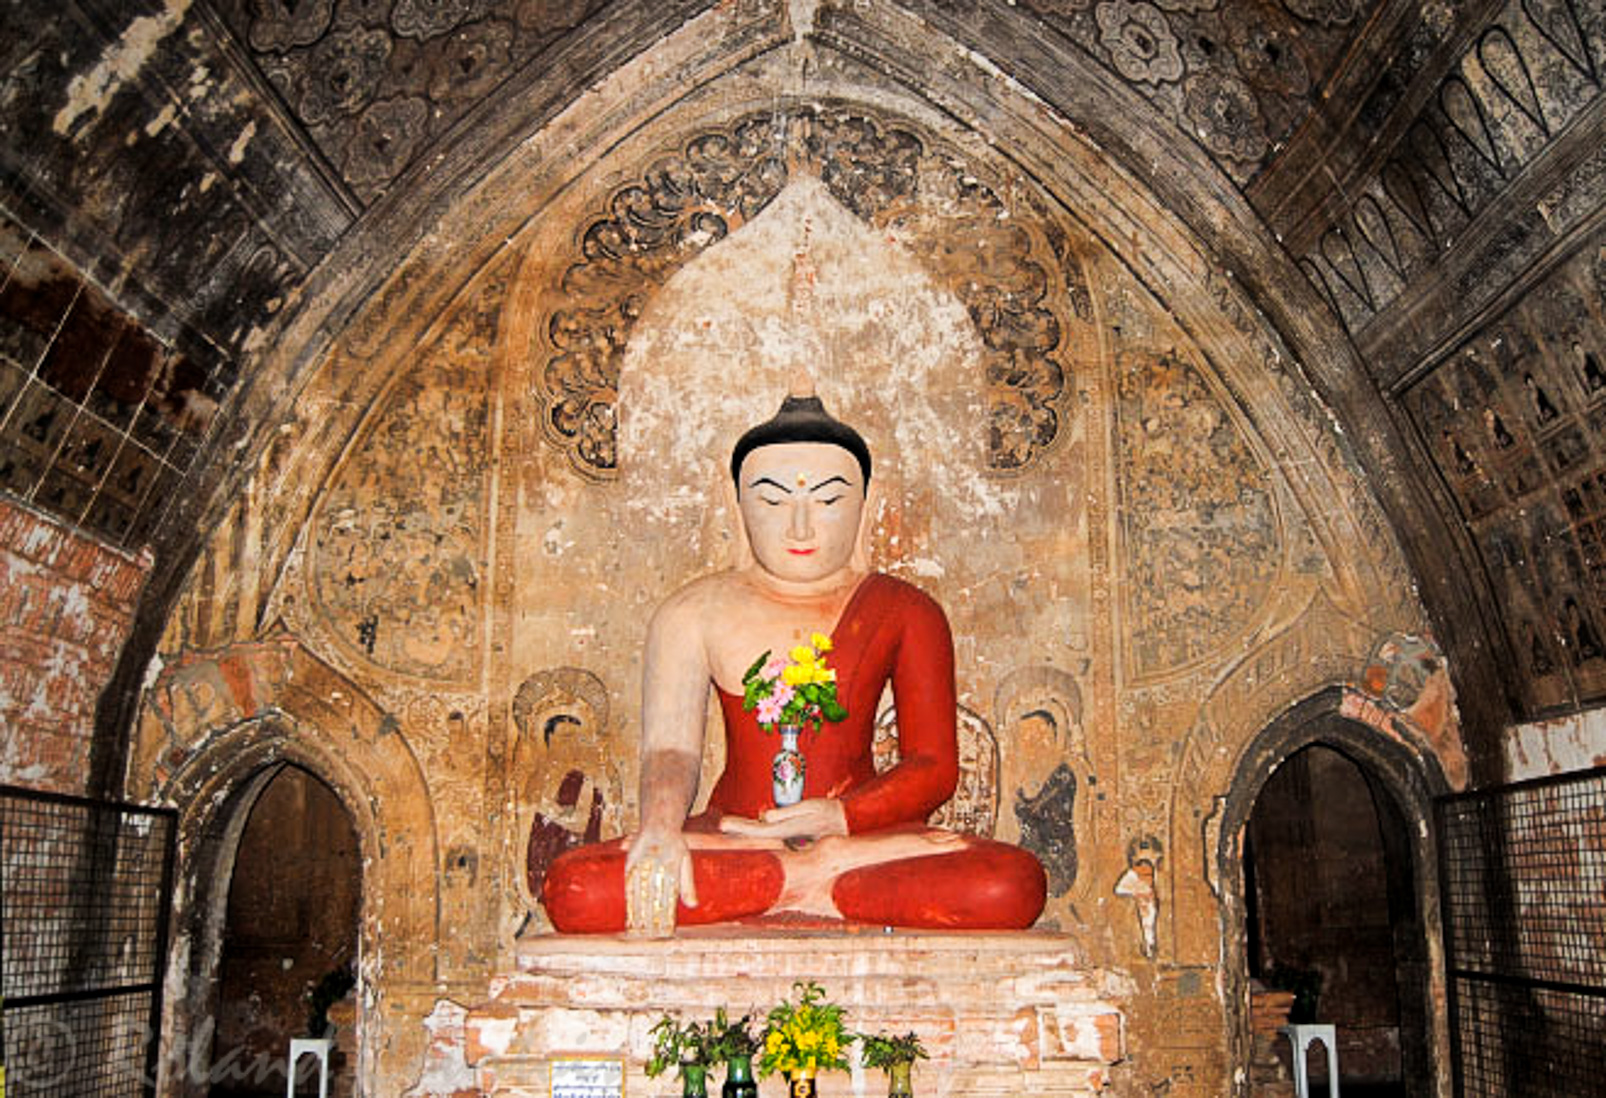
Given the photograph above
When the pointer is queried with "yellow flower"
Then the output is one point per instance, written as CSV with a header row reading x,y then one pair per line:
x,y
795,675
821,642
823,674
804,656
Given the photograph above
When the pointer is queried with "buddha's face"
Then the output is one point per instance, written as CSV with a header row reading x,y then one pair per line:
x,y
801,503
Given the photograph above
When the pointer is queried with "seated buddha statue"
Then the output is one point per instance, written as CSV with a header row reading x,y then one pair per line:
x,y
856,847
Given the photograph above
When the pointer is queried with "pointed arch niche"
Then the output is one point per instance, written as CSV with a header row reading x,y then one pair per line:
x,y
1399,784
290,933
267,710
1011,208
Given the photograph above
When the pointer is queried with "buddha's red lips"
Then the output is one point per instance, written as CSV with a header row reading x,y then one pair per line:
x,y
800,552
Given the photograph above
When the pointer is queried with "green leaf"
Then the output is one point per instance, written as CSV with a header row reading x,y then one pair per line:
x,y
758,665
833,711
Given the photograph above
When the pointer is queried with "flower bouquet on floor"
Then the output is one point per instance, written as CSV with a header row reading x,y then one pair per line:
x,y
804,1038
736,1044
896,1056
788,696
690,1047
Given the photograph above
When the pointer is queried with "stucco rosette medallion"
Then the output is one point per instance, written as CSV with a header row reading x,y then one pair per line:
x,y
1267,53
1141,43
341,76
1226,116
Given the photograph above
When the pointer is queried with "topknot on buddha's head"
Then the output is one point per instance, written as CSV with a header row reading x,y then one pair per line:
x,y
802,419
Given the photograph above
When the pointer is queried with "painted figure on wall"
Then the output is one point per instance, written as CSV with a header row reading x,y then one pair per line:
x,y
856,847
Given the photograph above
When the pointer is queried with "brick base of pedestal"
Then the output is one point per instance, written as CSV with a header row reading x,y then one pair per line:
x,y
1000,1014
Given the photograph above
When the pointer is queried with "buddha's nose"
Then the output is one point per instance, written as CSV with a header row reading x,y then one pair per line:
x,y
801,529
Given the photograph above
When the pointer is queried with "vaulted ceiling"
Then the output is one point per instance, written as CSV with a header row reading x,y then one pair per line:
x,y
1410,190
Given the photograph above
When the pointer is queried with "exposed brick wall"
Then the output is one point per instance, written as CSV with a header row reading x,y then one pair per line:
x,y
66,604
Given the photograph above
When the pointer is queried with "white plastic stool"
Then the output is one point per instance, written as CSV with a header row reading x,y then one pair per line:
x,y
1301,1037
309,1046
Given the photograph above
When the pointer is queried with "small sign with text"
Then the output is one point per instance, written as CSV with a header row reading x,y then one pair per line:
x,y
580,1078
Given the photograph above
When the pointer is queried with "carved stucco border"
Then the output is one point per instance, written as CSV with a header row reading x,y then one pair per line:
x,y
877,164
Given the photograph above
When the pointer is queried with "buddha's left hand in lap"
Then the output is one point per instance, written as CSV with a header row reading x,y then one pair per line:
x,y
815,818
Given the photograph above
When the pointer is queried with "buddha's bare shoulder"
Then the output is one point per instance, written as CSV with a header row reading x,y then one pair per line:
x,y
701,601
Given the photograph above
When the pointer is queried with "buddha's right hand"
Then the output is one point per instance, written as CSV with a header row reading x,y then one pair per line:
x,y
658,873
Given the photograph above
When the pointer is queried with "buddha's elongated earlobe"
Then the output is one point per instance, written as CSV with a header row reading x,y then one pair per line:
x,y
860,561
741,547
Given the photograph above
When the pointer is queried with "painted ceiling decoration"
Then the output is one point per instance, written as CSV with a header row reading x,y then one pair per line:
x,y
1514,88
1240,76
375,83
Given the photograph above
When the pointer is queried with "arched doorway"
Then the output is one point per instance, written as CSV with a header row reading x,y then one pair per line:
x,y
319,722
1327,863
1320,897
289,946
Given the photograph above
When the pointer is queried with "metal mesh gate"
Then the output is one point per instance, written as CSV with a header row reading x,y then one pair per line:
x,y
1524,875
84,890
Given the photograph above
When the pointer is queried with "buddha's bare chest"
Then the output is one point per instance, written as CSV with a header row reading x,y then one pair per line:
x,y
751,625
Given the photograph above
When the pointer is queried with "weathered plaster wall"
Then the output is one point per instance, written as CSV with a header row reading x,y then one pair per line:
x,y
1560,746
66,601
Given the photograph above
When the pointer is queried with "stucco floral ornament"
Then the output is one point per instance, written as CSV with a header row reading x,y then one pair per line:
x,y
1141,43
278,27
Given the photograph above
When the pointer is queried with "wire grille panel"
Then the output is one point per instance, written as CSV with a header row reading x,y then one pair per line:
x,y
1524,875
1522,1040
83,900
92,1048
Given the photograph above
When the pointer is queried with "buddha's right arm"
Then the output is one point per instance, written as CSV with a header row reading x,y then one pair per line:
x,y
668,784
674,711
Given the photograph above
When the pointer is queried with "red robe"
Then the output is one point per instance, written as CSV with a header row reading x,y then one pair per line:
x,y
888,630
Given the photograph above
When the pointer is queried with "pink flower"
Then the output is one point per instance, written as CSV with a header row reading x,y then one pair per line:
x,y
772,669
769,709
784,692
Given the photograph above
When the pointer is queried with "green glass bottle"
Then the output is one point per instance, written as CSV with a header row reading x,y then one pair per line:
x,y
693,1081
739,1081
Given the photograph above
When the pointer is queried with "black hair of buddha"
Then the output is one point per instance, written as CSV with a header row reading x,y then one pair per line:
x,y
801,419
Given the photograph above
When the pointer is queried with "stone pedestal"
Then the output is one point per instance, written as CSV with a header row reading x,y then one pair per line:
x,y
1000,1014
